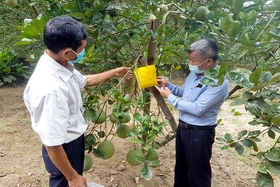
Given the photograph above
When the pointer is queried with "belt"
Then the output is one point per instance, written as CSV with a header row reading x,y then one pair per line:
x,y
195,127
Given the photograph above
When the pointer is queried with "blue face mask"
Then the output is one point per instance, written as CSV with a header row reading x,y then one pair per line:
x,y
79,57
195,69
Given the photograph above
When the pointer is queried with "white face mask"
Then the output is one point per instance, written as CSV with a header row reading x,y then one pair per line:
x,y
195,69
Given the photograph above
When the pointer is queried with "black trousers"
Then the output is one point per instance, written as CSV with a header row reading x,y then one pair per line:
x,y
193,154
75,152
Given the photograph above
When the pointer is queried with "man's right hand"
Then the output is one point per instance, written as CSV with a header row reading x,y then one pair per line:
x,y
78,181
162,81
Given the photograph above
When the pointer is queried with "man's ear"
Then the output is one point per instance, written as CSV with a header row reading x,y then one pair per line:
x,y
66,53
211,62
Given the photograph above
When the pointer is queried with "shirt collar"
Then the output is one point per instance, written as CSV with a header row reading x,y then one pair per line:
x,y
65,73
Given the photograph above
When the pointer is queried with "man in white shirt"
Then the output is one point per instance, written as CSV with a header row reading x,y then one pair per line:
x,y
53,98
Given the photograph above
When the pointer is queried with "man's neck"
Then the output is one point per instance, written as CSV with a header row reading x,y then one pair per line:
x,y
57,57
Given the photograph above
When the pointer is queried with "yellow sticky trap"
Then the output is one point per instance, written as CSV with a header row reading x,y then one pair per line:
x,y
146,76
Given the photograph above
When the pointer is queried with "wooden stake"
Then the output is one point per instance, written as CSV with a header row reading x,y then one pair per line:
x,y
154,24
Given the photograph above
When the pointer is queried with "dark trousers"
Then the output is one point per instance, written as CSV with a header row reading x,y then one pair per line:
x,y
75,153
193,154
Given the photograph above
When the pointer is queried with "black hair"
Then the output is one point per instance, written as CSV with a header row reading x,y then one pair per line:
x,y
62,32
206,48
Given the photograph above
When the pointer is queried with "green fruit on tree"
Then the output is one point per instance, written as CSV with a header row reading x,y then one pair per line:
x,y
154,155
99,117
201,13
130,156
126,118
113,118
107,148
123,131
11,3
87,163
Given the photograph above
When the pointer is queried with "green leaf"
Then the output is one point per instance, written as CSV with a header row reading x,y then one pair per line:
x,y
254,133
222,72
90,139
237,114
264,180
228,137
230,27
154,163
239,148
31,32
221,139
146,173
271,134
261,167
213,73
89,12
238,4
234,29
273,167
239,79
234,48
251,17
209,82
241,134
89,114
238,102
274,80
253,109
273,155
140,159
255,76
137,141
225,22
98,153
255,146
225,147
258,121
245,40
247,142
25,41
275,33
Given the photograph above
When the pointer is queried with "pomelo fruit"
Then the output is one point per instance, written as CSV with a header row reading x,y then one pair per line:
x,y
113,118
130,156
11,3
99,117
123,131
107,148
126,118
201,13
87,163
